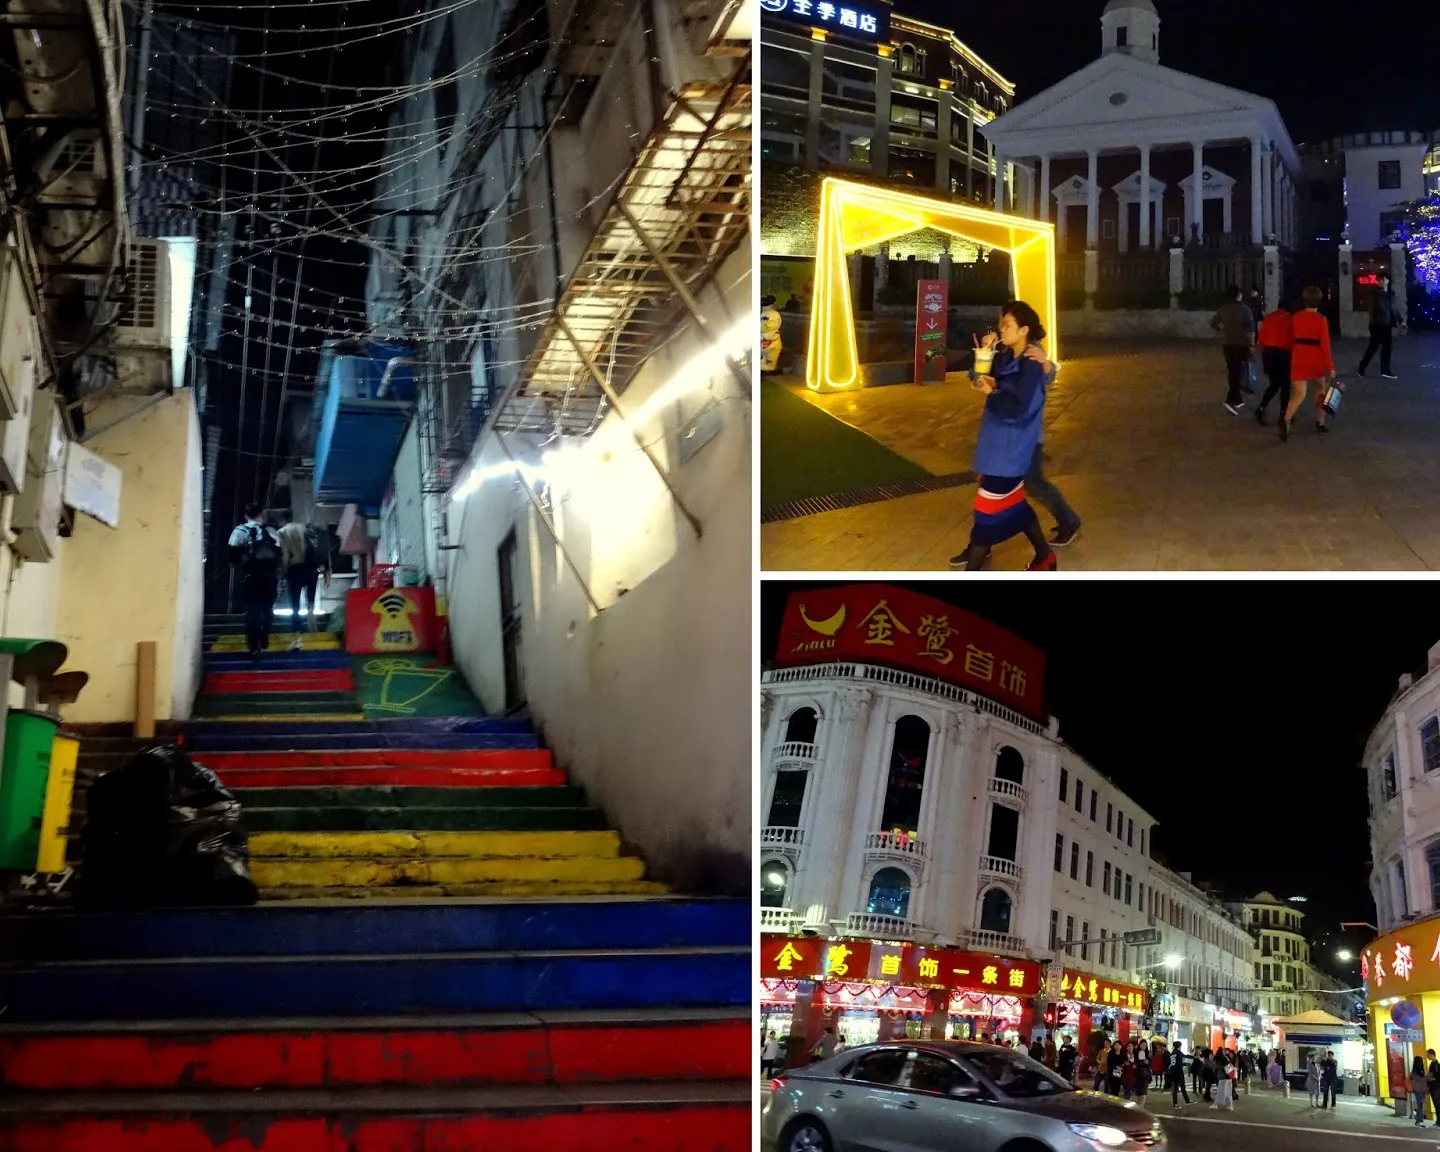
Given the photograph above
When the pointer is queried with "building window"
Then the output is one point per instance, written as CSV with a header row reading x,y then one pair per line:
x,y
1120,825
774,881
1074,860
995,911
1010,765
1004,832
889,893
1142,841
1054,929
1079,790
1402,898
1128,890
1070,934
1430,743
1064,785
1109,817
908,60
1387,774
1090,869
800,726
1130,835
1122,36
1085,937
907,775
1105,879
1432,861
1094,804
787,800
1059,852
1107,229
1389,174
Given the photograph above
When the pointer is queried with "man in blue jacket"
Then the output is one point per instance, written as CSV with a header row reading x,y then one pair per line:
x,y
1014,391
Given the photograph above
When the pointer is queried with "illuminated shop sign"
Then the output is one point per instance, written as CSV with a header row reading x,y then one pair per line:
x,y
872,23
858,961
1105,993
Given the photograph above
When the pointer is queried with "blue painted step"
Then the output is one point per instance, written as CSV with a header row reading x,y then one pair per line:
x,y
369,985
225,742
437,725
350,929
276,661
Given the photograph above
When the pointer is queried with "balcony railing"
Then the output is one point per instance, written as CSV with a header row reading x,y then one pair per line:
x,y
791,837
794,755
999,942
997,866
1008,789
895,844
879,925
778,919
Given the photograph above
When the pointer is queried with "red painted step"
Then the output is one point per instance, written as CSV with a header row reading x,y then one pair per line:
x,y
596,1127
455,1056
338,680
508,758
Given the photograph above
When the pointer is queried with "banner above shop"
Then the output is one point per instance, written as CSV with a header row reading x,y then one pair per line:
x,y
882,624
1404,963
911,965
1105,993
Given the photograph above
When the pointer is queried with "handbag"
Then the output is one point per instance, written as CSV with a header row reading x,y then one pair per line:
x,y
1333,395
1252,375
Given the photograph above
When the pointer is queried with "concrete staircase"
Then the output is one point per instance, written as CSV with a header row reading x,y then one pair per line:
x,y
452,952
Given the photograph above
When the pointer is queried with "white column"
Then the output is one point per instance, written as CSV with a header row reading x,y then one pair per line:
x,y
1092,206
1144,198
1044,213
1197,193
1257,223
1227,219
1122,225
1277,169
1061,217
1269,189
997,166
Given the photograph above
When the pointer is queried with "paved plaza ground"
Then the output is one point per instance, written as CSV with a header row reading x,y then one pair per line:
x,y
1162,475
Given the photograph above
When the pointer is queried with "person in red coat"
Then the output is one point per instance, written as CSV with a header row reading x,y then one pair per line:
x,y
1277,341
1310,360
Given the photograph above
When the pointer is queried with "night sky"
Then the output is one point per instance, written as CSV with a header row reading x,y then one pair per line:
x,y
1235,713
1351,71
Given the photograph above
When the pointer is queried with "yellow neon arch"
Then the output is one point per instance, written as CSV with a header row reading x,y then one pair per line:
x,y
855,216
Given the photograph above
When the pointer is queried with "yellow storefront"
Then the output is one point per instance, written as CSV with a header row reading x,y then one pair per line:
x,y
1401,973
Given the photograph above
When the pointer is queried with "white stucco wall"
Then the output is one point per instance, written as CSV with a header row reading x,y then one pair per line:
x,y
187,659
1364,198
646,703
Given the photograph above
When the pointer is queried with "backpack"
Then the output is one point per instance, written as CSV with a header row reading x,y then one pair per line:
x,y
261,550
317,547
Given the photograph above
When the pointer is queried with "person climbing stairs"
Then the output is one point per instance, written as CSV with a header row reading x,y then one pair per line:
x,y
451,950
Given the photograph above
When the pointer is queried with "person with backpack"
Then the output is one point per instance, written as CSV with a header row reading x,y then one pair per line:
x,y
255,549
305,555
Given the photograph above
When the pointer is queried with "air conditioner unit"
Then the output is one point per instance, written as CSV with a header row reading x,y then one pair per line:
x,y
17,328
15,433
38,508
145,319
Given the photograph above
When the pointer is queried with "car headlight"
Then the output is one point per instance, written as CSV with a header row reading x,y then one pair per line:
x,y
1101,1134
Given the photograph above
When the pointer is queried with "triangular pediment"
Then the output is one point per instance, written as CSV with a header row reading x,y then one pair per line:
x,y
1130,186
1118,89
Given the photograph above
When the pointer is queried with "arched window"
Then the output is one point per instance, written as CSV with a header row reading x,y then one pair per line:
x,y
1010,765
774,882
908,753
909,62
889,893
800,726
995,911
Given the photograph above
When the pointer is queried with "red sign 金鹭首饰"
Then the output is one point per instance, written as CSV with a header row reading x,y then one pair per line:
x,y
906,965
1102,993
888,625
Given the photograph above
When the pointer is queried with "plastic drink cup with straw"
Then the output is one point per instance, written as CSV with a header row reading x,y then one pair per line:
x,y
984,358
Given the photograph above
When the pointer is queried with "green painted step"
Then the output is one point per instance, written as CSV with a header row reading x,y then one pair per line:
x,y
554,796
412,819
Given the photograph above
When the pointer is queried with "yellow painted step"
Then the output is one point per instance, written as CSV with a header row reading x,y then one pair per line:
x,y
281,641
469,845
298,718
492,890
443,870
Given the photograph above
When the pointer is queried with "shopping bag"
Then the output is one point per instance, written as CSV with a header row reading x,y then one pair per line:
x,y
1252,376
1333,395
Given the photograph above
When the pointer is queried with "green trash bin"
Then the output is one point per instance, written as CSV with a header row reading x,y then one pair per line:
x,y
29,737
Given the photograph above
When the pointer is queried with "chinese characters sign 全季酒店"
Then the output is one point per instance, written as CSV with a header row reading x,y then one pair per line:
x,y
870,21
888,625
908,965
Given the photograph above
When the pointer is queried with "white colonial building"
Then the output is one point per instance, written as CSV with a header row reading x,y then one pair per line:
x,y
1128,154
1286,982
900,807
1402,766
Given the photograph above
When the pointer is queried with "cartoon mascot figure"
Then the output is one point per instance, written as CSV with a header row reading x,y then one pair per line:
x,y
769,336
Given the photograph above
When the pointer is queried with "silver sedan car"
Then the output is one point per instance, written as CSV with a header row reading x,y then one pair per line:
x,y
918,1095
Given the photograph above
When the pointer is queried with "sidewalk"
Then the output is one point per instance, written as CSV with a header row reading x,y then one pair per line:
x,y
1353,1115
1162,475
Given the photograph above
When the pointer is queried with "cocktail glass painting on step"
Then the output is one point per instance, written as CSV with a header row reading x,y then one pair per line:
x,y
1183,319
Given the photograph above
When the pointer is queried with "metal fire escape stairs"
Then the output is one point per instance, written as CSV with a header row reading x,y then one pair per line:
x,y
679,211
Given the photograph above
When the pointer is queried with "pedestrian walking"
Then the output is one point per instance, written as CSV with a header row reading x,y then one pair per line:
x,y
1065,1060
825,1046
1384,319
1224,1082
305,558
1310,361
1014,389
1114,1068
1276,342
255,551
1419,1089
1312,1081
1051,1052
770,1055
1067,520
1329,1079
1176,1076
1277,1071
1433,1071
1143,1076
1236,325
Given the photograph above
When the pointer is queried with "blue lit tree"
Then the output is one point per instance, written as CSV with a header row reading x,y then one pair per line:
x,y
1420,231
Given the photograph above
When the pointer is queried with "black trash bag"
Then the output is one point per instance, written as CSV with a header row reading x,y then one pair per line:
x,y
163,831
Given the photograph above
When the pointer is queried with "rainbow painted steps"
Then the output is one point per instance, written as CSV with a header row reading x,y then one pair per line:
x,y
280,642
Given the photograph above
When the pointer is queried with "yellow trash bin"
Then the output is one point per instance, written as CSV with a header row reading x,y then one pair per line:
x,y
59,793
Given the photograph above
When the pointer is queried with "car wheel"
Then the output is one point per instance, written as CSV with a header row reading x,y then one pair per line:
x,y
1025,1146
805,1135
